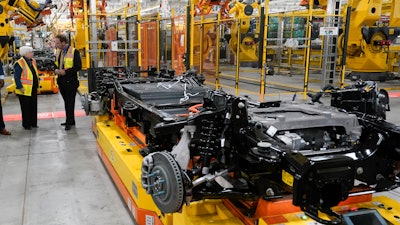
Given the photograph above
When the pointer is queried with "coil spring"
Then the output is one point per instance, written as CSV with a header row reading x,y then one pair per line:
x,y
209,138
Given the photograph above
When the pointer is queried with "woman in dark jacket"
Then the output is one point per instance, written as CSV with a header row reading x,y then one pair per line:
x,y
27,84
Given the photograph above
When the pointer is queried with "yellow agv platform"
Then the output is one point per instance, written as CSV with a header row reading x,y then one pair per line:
x,y
120,155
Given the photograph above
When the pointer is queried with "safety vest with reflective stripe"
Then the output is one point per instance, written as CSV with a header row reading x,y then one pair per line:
x,y
68,58
26,77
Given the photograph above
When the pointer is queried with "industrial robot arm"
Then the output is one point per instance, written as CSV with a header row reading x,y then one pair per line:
x,y
248,30
369,42
370,38
27,9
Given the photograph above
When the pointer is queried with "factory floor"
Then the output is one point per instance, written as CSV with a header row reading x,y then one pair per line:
x,y
49,176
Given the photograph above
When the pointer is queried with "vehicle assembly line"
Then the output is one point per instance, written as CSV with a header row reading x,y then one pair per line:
x,y
225,112
243,154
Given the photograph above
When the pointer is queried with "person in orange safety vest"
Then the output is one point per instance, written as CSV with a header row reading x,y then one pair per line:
x,y
27,84
69,63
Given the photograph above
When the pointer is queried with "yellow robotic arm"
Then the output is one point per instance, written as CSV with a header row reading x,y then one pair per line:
x,y
6,30
368,42
247,30
29,10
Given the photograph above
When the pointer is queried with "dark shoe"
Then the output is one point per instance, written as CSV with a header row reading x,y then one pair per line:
x,y
67,127
28,128
63,124
5,132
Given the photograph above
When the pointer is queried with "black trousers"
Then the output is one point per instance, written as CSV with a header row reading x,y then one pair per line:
x,y
28,109
68,94
2,125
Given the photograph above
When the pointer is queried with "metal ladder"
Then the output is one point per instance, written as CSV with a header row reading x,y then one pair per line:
x,y
330,49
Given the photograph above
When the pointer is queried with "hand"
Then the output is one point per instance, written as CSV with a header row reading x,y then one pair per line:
x,y
22,90
1,83
59,72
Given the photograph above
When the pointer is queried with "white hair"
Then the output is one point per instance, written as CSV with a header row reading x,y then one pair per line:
x,y
24,50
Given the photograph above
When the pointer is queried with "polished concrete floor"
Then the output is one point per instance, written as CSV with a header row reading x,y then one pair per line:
x,y
49,176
